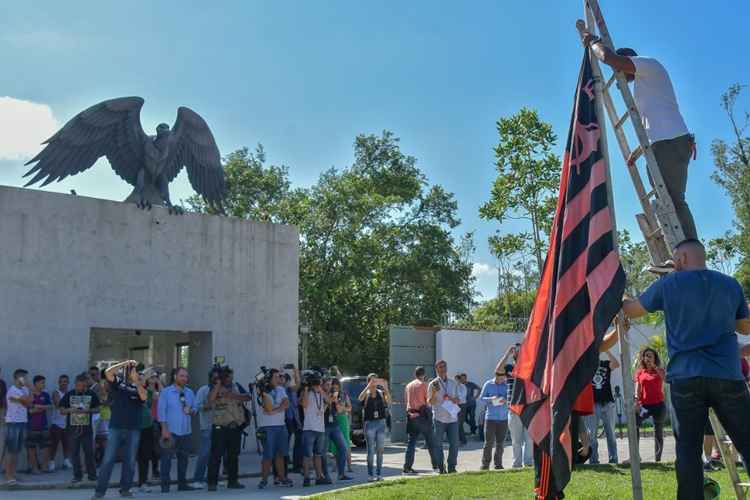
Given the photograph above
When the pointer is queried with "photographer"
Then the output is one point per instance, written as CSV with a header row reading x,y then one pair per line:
x,y
206,416
127,396
272,427
226,434
175,410
314,402
292,418
148,449
78,406
375,399
344,419
332,431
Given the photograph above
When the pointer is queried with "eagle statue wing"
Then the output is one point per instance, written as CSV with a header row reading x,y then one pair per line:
x,y
111,128
192,145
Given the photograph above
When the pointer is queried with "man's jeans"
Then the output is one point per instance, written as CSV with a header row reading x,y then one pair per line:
x,y
691,398
182,450
80,440
415,427
471,418
333,434
604,412
673,157
494,435
120,440
523,447
204,452
225,445
375,436
440,429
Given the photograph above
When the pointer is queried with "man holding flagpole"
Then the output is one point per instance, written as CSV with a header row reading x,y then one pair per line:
x,y
702,311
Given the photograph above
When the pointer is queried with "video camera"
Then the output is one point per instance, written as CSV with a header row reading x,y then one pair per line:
x,y
263,380
311,378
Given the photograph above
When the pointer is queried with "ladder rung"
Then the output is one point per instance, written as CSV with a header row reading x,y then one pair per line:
x,y
622,120
649,194
612,79
653,233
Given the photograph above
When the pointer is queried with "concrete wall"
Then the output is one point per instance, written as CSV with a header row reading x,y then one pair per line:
x,y
474,353
70,263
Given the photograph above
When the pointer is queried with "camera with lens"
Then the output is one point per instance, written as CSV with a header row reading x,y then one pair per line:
x,y
311,378
263,380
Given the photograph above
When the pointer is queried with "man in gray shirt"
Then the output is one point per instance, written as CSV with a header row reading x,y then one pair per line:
x,y
206,417
443,392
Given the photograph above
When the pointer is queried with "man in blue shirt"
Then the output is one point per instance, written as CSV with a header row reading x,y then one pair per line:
x,y
127,395
702,310
495,396
176,407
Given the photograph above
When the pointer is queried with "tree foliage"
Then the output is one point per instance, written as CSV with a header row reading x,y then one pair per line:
x,y
732,173
255,191
527,181
376,247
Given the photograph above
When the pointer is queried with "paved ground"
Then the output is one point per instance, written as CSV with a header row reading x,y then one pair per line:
x,y
469,459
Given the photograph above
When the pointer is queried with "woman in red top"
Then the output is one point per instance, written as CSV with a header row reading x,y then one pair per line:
x,y
649,395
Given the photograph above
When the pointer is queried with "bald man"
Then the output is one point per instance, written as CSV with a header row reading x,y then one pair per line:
x,y
703,312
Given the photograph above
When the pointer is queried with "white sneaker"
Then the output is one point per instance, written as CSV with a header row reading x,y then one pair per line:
x,y
67,464
198,484
51,467
378,478
144,489
371,479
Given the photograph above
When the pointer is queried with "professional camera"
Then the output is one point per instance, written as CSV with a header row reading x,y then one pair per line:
x,y
263,380
311,378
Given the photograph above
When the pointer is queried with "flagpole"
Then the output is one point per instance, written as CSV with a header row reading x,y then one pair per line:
x,y
625,360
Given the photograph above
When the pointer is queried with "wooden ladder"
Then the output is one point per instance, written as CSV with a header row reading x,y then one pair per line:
x,y
659,223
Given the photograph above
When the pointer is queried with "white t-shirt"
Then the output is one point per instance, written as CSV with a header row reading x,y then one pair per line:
x,y
316,408
448,388
277,396
58,419
656,101
461,391
17,413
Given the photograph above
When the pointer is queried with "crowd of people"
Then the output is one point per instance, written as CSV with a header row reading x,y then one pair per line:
x,y
439,410
126,414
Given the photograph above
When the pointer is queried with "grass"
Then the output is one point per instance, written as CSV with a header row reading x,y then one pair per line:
x,y
588,482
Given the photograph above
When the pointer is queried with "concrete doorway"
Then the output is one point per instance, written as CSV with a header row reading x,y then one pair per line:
x,y
160,349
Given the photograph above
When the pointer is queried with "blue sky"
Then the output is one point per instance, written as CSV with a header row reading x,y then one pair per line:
x,y
304,78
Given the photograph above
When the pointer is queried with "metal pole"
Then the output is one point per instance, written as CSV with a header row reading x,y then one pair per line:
x,y
625,360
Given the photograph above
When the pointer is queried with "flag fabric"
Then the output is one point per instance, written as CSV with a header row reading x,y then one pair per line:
x,y
579,295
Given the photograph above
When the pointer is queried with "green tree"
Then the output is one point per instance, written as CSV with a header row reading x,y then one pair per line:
x,y
732,162
377,250
635,258
528,179
723,253
255,191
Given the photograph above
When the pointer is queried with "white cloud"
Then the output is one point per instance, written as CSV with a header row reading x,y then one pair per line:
x,y
480,269
23,126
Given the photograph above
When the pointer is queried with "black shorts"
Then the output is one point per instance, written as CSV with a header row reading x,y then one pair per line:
x,y
37,439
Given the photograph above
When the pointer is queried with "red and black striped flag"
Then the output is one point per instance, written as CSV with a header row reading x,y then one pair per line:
x,y
579,295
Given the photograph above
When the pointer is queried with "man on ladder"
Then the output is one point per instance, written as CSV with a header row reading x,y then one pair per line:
x,y
672,143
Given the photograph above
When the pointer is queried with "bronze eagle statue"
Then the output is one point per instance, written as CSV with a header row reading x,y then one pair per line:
x,y
113,129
